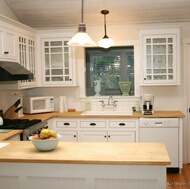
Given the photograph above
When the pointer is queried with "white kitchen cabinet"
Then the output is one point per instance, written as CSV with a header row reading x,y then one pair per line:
x,y
67,128
121,136
115,130
107,136
160,56
96,130
57,62
27,58
7,44
93,136
70,136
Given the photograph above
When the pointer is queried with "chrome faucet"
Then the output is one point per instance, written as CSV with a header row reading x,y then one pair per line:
x,y
111,102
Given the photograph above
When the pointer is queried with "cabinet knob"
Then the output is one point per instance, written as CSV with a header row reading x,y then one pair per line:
x,y
109,136
75,136
92,124
6,52
105,136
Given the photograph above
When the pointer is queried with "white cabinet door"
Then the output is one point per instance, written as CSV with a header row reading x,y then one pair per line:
x,y
160,52
57,66
7,44
121,136
93,136
27,58
104,136
67,128
68,136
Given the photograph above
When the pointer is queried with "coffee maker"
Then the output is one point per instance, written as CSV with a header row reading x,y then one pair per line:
x,y
147,103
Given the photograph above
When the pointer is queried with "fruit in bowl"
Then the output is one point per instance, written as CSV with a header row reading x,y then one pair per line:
x,y
47,140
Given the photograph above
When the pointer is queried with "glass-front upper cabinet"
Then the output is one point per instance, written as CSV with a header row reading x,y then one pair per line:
x,y
57,67
160,59
27,58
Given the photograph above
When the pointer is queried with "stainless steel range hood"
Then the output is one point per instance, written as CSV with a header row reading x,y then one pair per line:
x,y
13,71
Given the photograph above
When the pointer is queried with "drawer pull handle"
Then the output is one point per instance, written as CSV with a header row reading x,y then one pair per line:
x,y
6,52
92,124
122,124
66,124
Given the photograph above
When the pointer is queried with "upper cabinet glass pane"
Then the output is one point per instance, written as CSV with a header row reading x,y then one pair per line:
x,y
159,40
56,43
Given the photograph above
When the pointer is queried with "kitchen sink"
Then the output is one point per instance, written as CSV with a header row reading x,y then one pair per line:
x,y
113,112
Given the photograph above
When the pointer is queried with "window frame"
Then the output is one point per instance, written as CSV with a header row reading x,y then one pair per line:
x,y
122,52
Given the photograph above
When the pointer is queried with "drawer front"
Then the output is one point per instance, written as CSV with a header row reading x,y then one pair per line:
x,y
66,124
122,124
91,124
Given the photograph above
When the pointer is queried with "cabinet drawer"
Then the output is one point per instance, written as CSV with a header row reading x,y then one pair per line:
x,y
92,124
66,124
122,124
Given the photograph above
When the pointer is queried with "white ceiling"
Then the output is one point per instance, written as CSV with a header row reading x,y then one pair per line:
x,y
48,13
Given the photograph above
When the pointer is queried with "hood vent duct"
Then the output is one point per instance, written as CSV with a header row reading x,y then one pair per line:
x,y
13,71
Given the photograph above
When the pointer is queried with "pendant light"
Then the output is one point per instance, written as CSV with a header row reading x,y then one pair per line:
x,y
106,42
81,38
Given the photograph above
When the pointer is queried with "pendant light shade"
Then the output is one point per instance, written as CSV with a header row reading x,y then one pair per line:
x,y
81,38
106,42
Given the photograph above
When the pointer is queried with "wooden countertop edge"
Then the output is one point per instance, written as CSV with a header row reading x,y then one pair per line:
x,y
157,114
85,162
8,135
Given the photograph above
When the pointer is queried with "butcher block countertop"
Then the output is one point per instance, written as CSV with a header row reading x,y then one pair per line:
x,y
88,153
157,114
8,135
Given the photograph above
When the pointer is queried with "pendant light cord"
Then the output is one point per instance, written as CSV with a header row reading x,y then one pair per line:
x,y
105,25
82,6
105,12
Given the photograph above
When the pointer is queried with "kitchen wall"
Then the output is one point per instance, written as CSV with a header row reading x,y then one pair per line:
x,y
166,97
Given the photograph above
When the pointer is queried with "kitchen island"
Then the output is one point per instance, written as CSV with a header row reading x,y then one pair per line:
x,y
84,166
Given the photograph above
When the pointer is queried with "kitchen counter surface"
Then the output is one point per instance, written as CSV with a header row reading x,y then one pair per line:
x,y
8,135
88,153
157,114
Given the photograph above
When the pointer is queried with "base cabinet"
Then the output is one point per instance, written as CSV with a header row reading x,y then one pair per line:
x,y
104,136
81,176
98,130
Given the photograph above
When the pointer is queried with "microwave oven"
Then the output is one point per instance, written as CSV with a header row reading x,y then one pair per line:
x,y
42,104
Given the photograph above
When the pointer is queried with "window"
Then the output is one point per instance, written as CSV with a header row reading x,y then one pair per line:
x,y
109,67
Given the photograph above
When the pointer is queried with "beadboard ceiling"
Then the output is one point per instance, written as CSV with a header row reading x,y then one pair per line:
x,y
55,13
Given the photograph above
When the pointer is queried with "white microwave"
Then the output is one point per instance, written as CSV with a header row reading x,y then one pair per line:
x,y
41,104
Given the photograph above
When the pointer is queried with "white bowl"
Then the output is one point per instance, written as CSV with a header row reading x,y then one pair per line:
x,y
46,144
